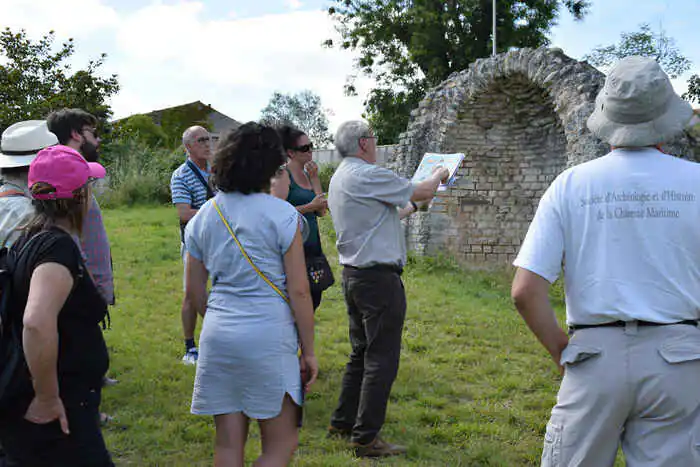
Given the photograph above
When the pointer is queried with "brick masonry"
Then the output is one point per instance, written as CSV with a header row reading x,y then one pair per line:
x,y
520,119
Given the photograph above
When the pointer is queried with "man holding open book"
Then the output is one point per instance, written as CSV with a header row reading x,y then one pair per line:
x,y
367,202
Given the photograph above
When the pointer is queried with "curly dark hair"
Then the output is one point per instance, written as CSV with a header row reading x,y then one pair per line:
x,y
290,136
247,158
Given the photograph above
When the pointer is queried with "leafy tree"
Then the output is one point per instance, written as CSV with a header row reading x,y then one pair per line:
x,y
303,110
646,43
693,93
408,46
35,80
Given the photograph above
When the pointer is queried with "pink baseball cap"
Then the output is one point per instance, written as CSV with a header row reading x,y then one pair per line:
x,y
64,169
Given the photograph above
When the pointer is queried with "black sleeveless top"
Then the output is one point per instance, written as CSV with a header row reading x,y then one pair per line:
x,y
82,352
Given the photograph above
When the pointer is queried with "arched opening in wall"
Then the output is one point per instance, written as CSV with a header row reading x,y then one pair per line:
x,y
514,146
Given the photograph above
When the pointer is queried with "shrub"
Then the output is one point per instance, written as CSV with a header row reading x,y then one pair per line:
x,y
325,172
137,173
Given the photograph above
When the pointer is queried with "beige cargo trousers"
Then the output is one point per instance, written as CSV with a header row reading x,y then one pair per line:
x,y
634,386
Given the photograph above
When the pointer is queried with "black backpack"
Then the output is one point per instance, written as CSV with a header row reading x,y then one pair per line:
x,y
12,362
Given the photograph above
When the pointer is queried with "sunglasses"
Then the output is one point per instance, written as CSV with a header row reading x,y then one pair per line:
x,y
304,148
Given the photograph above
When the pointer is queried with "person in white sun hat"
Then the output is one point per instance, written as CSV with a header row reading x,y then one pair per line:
x,y
18,147
626,226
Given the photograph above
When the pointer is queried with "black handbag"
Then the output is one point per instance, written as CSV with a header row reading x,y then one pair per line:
x,y
320,273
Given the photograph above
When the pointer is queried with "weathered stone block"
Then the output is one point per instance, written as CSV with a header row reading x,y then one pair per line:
x,y
520,118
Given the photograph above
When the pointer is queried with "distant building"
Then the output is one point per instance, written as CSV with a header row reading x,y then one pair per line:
x,y
193,113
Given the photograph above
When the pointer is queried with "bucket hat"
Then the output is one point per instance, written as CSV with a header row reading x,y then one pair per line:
x,y
637,106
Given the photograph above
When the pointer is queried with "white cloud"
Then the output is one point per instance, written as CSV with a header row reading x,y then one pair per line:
x,y
68,18
168,54
294,4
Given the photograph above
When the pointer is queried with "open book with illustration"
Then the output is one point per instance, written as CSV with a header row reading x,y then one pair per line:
x,y
431,160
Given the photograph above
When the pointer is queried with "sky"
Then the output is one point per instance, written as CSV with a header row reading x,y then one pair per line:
x,y
233,54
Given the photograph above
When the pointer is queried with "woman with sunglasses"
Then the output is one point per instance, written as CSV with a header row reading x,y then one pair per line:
x,y
306,194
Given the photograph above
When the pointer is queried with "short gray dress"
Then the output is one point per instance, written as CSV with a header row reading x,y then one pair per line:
x,y
248,345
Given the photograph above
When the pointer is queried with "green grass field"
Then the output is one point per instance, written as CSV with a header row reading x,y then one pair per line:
x,y
474,387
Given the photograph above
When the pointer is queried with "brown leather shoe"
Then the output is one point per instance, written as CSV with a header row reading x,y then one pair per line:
x,y
342,433
378,448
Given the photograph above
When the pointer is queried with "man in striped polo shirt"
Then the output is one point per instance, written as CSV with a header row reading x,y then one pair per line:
x,y
190,189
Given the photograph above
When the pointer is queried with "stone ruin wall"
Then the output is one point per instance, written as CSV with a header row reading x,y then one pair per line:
x,y
520,119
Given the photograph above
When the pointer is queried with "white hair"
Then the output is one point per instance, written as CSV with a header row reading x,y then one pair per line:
x,y
347,138
187,135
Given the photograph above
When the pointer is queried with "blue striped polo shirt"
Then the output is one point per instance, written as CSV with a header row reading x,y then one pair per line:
x,y
186,188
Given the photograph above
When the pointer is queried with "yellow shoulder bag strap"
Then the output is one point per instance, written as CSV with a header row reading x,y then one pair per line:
x,y
245,255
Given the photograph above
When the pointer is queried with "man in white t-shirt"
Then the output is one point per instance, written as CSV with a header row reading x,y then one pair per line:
x,y
626,228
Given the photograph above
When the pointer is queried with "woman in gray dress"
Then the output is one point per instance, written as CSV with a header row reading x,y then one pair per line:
x,y
255,322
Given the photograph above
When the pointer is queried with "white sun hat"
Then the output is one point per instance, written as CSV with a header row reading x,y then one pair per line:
x,y
20,142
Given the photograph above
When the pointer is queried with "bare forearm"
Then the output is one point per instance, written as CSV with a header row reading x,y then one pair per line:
x,y
425,190
302,308
542,321
186,213
316,185
306,208
406,211
41,352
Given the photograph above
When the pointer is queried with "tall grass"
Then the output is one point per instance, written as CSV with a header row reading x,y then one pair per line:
x,y
325,172
474,388
138,174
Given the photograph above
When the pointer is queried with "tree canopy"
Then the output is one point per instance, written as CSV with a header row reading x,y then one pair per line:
x,y
647,43
35,80
408,46
303,110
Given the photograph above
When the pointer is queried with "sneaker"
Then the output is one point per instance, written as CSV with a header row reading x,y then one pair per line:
x,y
191,356
378,448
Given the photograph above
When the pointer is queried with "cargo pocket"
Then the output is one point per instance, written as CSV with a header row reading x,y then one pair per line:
x,y
680,350
576,353
696,441
551,454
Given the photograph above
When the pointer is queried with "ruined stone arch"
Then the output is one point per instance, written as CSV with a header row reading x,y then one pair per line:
x,y
520,119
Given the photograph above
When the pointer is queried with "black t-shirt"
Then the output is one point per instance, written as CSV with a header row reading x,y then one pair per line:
x,y
82,353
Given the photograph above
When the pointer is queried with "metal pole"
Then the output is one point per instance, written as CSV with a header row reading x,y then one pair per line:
x,y
493,36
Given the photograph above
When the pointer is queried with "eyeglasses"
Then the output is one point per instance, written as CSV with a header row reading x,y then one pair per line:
x,y
203,139
304,148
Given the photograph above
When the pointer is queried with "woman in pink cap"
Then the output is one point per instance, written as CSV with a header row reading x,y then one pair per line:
x,y
50,415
